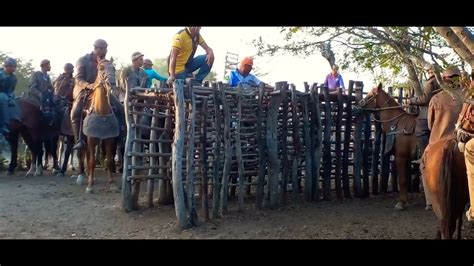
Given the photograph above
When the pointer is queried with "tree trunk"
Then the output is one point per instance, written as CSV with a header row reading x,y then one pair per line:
x,y
413,77
327,53
466,37
456,44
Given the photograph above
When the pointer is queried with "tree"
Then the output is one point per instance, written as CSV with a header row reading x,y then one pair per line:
x,y
23,73
399,50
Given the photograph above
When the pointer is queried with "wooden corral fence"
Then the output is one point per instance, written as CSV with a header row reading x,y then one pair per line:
x,y
265,146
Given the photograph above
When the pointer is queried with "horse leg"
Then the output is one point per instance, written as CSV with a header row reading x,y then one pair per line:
x,y
402,164
33,149
60,149
459,225
13,137
69,142
80,158
109,152
73,152
91,145
54,153
39,166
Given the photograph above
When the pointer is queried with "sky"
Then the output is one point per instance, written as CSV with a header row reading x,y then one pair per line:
x,y
66,44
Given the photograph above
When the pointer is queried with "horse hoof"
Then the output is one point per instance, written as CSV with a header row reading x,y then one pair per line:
x,y
9,173
72,168
56,171
60,174
80,180
400,206
89,190
428,208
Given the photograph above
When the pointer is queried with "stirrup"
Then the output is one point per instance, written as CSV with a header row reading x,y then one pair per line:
x,y
78,145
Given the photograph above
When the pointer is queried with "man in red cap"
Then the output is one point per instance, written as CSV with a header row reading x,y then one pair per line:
x,y
242,75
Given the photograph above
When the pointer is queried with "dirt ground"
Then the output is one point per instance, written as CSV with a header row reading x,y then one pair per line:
x,y
55,207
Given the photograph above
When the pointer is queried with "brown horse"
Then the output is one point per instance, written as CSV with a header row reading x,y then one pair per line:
x,y
100,123
30,123
399,125
446,178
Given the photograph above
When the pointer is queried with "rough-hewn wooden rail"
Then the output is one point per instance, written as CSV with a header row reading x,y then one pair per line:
x,y
221,147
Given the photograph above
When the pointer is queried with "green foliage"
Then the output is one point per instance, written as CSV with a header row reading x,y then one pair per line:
x,y
23,73
366,48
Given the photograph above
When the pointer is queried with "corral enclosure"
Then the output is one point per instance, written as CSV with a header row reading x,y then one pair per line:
x,y
217,144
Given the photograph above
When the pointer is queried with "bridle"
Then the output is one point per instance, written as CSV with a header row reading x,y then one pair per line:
x,y
373,98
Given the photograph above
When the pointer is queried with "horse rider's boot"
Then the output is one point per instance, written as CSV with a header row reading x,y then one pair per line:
x,y
79,142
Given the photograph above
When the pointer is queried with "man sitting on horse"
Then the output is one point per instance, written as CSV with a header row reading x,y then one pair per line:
x,y
422,131
64,84
443,111
41,88
430,88
465,133
7,97
84,81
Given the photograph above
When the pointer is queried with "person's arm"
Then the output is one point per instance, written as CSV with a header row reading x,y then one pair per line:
x,y
431,113
80,78
209,51
172,66
341,82
34,84
326,81
424,99
156,75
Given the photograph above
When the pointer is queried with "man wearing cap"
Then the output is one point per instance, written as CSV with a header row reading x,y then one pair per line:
x,y
443,111
430,88
133,75
40,84
64,84
8,83
334,80
151,73
182,62
466,115
422,131
86,74
242,75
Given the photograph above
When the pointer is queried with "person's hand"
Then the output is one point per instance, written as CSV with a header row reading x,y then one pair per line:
x,y
170,81
210,58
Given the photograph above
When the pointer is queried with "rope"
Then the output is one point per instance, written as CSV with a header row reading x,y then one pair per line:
x,y
389,120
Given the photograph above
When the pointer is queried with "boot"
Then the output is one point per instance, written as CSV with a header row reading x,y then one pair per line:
x,y
79,142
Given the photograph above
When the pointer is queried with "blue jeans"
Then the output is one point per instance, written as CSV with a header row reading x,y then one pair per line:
x,y
3,113
198,62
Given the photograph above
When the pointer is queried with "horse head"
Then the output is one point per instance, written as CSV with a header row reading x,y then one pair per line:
x,y
104,84
376,98
106,73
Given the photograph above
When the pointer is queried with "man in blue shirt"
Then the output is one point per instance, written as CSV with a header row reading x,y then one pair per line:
x,y
151,73
7,87
334,80
242,75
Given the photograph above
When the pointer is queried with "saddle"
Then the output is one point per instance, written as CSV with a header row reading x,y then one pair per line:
x,y
405,125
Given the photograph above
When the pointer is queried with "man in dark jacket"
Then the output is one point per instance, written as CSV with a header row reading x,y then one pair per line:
x,y
86,75
422,101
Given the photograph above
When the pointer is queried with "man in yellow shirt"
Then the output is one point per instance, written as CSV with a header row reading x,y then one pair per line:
x,y
182,62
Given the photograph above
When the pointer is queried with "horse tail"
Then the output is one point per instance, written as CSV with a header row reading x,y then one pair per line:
x,y
447,190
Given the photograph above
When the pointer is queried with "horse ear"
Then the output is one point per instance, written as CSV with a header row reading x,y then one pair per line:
x,y
379,87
